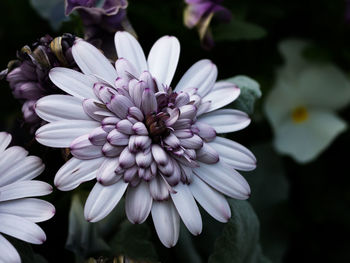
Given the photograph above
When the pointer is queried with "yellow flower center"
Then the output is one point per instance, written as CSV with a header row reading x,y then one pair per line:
x,y
300,114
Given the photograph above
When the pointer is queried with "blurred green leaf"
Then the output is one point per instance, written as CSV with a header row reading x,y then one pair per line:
x,y
185,249
51,10
237,30
250,92
212,229
83,237
134,242
316,53
269,180
26,252
73,25
239,241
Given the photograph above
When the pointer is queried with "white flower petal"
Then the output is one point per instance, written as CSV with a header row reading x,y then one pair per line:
x,y
166,221
60,107
9,158
92,62
25,169
234,154
73,82
60,134
202,76
8,254
311,82
129,48
75,171
102,200
159,189
314,85
291,50
138,203
33,209
281,101
211,200
222,94
305,141
224,179
226,120
23,189
83,149
21,228
187,208
5,139
125,70
106,172
163,58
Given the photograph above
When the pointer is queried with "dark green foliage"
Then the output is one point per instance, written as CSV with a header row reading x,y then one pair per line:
x,y
239,241
134,242
238,30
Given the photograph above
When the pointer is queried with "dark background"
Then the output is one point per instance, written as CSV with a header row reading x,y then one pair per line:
x,y
315,219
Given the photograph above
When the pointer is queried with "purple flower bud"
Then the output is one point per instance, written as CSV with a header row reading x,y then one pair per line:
x,y
28,75
101,19
199,13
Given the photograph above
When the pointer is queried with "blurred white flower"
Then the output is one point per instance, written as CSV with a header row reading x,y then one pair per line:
x,y
19,214
301,107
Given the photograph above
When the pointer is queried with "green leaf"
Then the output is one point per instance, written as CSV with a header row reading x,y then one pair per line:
x,y
110,224
237,30
83,237
26,252
212,229
134,242
51,10
315,53
239,241
185,249
250,92
269,180
39,259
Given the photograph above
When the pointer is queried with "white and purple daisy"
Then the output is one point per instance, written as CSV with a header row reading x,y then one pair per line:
x,y
18,213
129,129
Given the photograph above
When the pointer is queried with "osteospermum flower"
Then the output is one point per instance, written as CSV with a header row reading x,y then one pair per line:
x,y
19,214
129,129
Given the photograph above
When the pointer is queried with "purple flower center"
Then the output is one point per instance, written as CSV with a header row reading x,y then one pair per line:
x,y
149,131
155,123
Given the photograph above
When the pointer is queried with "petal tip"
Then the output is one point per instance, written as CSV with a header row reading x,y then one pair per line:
x,y
169,244
226,217
53,211
88,217
100,180
197,233
42,240
58,186
77,41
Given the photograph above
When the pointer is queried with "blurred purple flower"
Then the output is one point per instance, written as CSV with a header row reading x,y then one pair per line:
x,y
101,19
347,11
28,75
199,13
